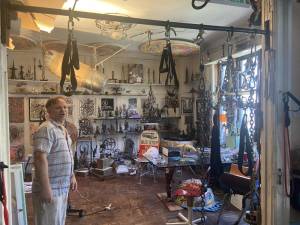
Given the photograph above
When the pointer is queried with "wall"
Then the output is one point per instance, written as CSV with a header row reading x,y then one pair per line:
x,y
114,64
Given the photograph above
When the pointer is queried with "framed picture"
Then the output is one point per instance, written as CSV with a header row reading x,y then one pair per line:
x,y
107,104
36,108
135,73
17,150
186,105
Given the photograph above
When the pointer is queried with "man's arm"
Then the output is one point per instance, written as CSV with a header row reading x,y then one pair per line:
x,y
41,173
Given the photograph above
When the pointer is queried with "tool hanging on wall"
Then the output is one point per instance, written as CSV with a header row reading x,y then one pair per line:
x,y
70,60
167,63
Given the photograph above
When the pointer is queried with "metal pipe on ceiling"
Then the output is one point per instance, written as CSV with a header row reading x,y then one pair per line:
x,y
90,15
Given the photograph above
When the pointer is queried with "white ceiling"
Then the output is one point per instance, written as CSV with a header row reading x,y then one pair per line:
x,y
172,10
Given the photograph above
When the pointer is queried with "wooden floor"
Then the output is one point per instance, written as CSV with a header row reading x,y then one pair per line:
x,y
132,203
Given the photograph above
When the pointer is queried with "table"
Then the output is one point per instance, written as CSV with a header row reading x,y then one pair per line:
x,y
169,166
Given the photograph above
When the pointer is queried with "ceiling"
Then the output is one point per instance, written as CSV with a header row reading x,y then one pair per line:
x,y
217,12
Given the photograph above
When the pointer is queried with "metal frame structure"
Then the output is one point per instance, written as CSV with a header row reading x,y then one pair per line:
x,y
7,7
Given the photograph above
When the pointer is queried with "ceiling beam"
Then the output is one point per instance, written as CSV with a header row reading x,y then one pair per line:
x,y
90,15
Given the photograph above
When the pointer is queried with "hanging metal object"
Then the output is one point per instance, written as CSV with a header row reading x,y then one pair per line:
x,y
71,57
199,6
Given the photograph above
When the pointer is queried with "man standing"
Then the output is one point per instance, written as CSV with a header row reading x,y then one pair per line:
x,y
53,163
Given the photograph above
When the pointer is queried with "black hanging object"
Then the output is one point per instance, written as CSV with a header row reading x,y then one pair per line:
x,y
70,59
167,65
215,158
245,146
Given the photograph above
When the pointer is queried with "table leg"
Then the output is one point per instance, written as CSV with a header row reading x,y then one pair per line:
x,y
169,176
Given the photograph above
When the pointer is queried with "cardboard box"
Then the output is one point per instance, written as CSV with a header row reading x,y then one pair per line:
x,y
104,172
103,163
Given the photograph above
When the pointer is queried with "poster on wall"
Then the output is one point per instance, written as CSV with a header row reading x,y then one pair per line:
x,y
16,109
17,150
186,105
37,108
107,104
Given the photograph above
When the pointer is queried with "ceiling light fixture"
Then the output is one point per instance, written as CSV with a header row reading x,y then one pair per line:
x,y
114,29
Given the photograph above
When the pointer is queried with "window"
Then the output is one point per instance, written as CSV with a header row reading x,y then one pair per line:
x,y
238,96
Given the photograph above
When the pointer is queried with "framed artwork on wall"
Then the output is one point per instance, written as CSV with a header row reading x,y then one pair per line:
x,y
36,108
16,109
186,105
87,107
17,150
107,104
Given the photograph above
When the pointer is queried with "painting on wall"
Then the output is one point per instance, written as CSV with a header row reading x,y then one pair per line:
x,y
37,108
87,107
16,109
17,150
107,104
69,102
33,127
186,105
135,73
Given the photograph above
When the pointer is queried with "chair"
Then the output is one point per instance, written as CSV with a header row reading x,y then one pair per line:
x,y
234,182
189,194
148,138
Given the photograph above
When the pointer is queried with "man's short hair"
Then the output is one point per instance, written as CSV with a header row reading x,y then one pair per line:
x,y
53,101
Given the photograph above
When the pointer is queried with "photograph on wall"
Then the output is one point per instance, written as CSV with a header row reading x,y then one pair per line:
x,y
16,109
87,107
186,105
17,150
107,104
135,73
37,110
132,103
132,108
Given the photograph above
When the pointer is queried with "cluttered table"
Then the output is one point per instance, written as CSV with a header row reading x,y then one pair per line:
x,y
169,164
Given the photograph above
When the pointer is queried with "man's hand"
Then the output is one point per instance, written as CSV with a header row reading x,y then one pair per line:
x,y
73,183
46,195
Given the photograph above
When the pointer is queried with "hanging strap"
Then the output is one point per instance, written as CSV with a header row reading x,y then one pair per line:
x,y
245,146
3,198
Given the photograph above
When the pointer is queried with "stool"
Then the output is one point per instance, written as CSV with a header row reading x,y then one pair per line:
x,y
234,182
189,195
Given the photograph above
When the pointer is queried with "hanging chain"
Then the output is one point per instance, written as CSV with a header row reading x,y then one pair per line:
x,y
229,86
202,205
203,110
252,64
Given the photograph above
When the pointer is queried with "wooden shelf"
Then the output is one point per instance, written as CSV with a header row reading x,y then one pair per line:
x,y
137,84
32,81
